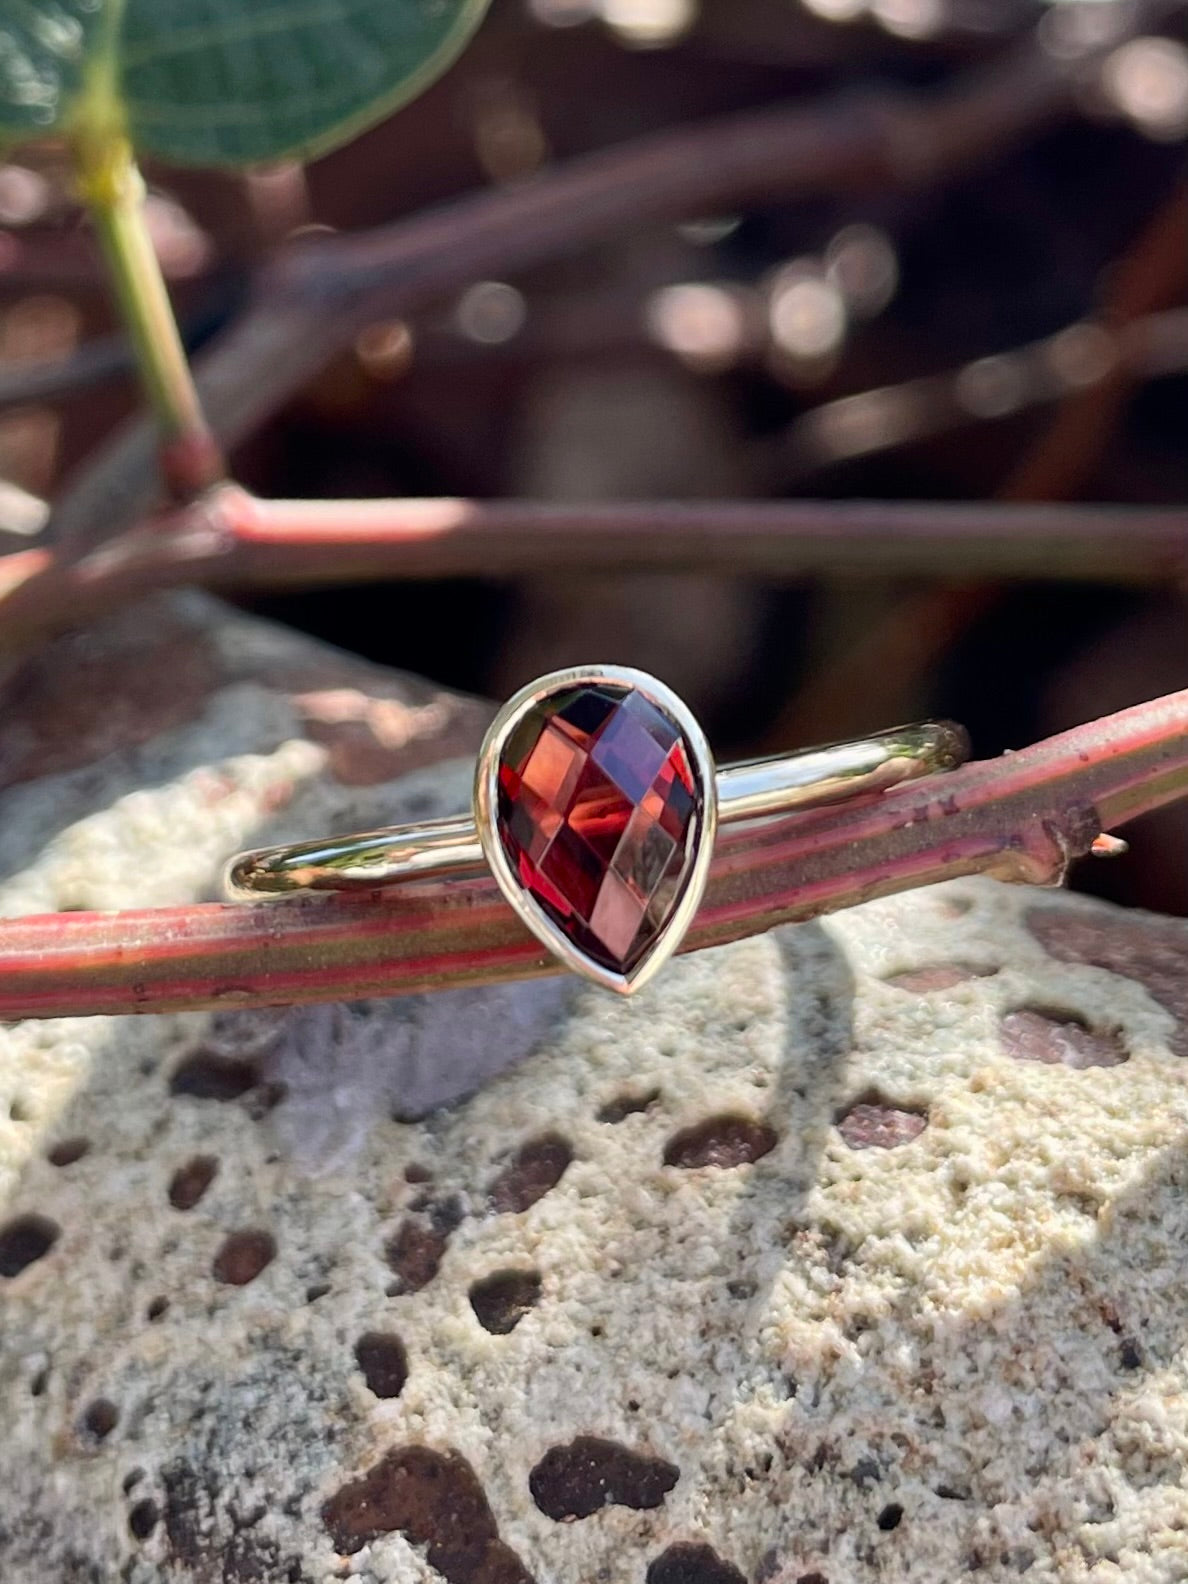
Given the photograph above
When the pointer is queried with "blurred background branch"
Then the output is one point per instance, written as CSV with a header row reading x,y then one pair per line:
x,y
235,542
311,303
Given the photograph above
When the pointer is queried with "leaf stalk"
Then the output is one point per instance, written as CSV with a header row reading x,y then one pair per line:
x,y
112,188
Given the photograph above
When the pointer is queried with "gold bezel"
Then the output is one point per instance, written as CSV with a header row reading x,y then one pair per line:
x,y
486,787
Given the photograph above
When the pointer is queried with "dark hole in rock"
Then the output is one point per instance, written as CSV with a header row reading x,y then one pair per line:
x,y
589,1473
243,1256
191,1181
414,1253
873,1123
416,1173
687,1563
627,1104
20,1111
24,1240
132,1479
1058,1038
66,1151
435,1500
501,1301
157,1308
952,1493
812,1578
727,1140
890,1517
536,1167
99,1419
940,976
1130,1354
143,1518
1154,953
318,1290
207,1075
384,1363
39,1383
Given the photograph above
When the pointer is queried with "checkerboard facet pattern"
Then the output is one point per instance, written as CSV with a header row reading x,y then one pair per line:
x,y
598,812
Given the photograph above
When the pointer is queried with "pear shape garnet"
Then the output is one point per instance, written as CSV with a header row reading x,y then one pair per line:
x,y
598,813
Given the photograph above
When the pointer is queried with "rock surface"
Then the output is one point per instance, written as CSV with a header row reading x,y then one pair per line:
x,y
852,1253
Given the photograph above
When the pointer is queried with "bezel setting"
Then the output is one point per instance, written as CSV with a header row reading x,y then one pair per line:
x,y
672,930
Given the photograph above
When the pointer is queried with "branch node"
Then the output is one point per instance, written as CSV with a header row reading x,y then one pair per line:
x,y
1043,851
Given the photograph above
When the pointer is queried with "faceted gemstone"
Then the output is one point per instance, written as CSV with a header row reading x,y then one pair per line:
x,y
598,814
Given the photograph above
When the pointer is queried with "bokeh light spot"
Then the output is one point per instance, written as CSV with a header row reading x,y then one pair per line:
x,y
806,314
649,23
705,325
861,262
491,312
1147,80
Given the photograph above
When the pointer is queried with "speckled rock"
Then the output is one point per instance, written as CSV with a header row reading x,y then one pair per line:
x,y
853,1253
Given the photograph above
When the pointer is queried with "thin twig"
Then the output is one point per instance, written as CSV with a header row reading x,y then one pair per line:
x,y
101,359
1081,358
1150,277
1023,817
98,360
280,541
232,541
317,297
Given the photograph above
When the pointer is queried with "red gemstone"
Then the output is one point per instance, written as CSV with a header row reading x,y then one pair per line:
x,y
598,815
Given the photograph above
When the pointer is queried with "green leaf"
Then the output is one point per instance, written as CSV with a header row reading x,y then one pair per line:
x,y
220,82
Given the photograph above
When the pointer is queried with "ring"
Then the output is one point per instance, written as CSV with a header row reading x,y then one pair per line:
x,y
596,801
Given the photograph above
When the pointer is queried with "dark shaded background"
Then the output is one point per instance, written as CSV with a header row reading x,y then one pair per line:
x,y
566,383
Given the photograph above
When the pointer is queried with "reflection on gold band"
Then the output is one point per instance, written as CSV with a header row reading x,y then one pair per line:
x,y
434,849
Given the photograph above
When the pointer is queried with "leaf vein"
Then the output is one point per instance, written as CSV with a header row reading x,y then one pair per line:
x,y
263,24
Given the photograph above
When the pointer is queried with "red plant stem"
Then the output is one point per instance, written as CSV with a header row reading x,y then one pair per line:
x,y
230,540
317,297
1022,817
304,540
